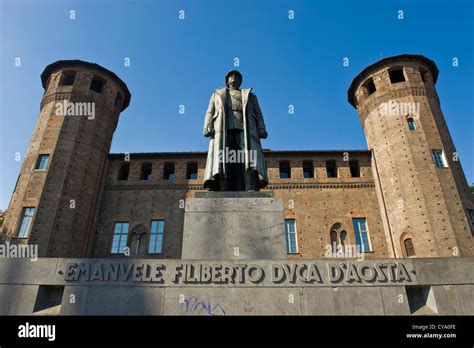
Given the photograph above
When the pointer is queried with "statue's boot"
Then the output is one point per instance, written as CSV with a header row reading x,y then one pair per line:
x,y
250,181
224,184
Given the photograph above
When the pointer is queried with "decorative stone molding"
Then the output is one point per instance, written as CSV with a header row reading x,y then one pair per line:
x,y
118,187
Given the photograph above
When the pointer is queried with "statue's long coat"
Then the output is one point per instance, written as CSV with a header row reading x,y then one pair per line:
x,y
252,123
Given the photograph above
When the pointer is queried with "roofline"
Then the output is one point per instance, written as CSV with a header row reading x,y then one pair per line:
x,y
76,62
203,153
362,75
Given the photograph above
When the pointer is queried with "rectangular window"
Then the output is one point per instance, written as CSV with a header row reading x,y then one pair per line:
x,y
145,173
291,241
439,159
285,170
124,171
42,162
119,242
362,235
331,169
396,75
411,124
157,229
97,84
368,87
67,78
192,171
26,221
308,169
354,167
168,171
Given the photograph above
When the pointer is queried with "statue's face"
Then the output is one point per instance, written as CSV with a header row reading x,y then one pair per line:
x,y
234,80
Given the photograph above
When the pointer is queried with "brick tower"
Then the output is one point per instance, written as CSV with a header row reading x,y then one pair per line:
x,y
423,194
54,204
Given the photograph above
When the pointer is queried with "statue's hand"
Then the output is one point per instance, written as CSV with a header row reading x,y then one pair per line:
x,y
263,134
208,132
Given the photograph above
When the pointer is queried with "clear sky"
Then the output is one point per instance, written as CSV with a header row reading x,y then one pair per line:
x,y
180,62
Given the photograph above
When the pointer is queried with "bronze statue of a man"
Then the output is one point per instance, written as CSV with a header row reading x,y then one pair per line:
x,y
234,123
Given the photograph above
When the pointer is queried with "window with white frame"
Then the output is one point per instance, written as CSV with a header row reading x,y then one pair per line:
x,y
42,162
439,159
157,228
119,241
362,235
291,240
26,221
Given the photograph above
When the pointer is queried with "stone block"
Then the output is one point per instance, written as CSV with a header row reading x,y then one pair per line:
x,y
234,228
124,300
233,301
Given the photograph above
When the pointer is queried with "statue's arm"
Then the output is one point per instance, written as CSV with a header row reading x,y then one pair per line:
x,y
208,121
262,131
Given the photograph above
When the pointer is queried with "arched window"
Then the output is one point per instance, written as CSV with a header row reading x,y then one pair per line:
x,y
411,123
338,238
138,241
124,171
409,248
342,238
334,241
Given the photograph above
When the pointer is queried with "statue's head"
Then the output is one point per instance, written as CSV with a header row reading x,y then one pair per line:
x,y
233,78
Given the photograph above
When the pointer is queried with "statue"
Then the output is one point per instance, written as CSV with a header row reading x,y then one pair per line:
x,y
234,123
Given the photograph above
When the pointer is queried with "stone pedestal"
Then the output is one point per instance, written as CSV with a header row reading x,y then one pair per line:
x,y
233,226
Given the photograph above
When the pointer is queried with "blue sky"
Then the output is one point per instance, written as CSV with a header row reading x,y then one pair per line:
x,y
180,62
